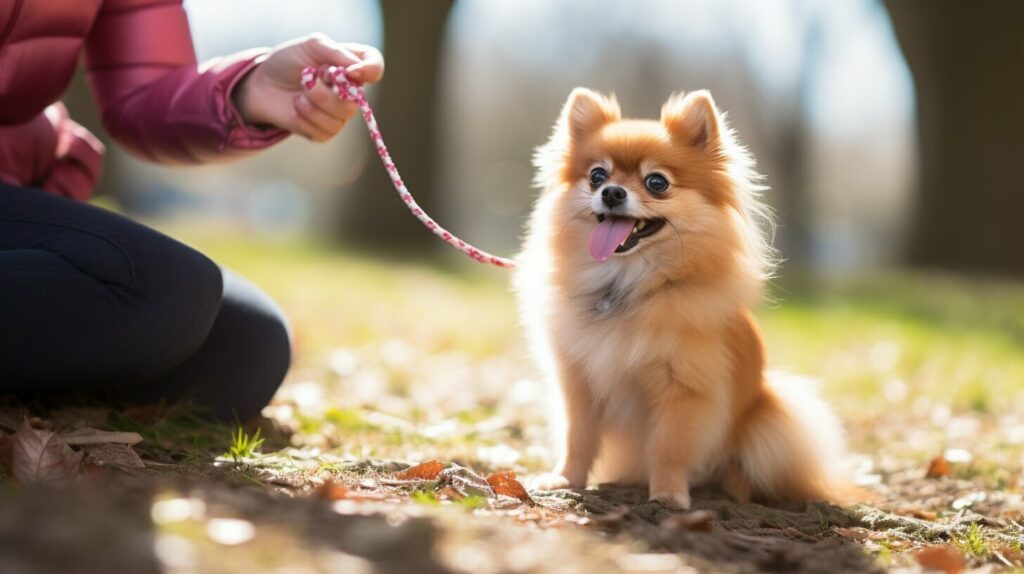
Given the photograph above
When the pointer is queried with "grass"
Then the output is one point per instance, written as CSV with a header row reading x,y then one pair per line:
x,y
972,542
875,342
377,340
243,445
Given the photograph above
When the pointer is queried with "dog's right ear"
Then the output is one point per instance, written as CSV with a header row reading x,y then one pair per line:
x,y
583,113
692,119
586,111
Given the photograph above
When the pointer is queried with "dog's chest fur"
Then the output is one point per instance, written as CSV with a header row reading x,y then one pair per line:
x,y
630,337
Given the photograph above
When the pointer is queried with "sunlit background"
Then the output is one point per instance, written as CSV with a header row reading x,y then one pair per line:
x,y
891,152
819,90
886,146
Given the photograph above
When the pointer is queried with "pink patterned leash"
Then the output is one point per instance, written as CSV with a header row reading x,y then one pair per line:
x,y
349,91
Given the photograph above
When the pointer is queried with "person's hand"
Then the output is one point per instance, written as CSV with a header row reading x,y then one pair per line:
x,y
273,94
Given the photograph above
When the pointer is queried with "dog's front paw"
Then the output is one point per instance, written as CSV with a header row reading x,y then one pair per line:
x,y
548,481
677,500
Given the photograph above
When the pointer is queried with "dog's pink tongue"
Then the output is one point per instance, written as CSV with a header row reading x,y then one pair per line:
x,y
608,235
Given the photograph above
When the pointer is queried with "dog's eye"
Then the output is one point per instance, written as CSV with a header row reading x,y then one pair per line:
x,y
656,183
598,175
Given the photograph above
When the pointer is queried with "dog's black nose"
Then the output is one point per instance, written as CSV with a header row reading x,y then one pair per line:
x,y
613,195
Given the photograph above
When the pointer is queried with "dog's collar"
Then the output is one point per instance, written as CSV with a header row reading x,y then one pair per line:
x,y
605,304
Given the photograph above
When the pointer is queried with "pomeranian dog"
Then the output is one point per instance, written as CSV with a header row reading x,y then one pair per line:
x,y
645,252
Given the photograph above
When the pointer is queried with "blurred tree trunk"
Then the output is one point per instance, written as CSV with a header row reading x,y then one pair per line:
x,y
406,109
967,60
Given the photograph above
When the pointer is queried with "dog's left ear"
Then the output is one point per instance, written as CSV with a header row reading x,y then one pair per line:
x,y
692,119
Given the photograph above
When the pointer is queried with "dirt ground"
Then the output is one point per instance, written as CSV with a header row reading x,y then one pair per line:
x,y
189,507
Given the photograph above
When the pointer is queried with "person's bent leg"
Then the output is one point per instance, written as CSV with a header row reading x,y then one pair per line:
x,y
89,298
241,364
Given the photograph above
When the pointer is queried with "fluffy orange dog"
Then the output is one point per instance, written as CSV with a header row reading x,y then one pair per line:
x,y
645,252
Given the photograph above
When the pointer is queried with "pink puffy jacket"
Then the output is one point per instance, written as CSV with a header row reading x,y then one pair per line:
x,y
155,99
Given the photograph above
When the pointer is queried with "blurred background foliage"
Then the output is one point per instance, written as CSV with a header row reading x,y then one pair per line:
x,y
890,132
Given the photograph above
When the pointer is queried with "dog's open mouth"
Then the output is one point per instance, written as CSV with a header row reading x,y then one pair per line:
x,y
620,234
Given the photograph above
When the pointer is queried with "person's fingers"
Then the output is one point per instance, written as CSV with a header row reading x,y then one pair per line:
x,y
309,130
324,99
370,67
325,51
360,50
317,117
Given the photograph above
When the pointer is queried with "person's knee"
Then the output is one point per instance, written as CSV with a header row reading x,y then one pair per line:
x,y
178,297
274,344
260,350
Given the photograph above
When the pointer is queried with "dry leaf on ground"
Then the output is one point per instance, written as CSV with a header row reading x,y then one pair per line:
x,y
86,435
424,471
38,455
332,490
941,557
504,483
113,454
939,467
922,513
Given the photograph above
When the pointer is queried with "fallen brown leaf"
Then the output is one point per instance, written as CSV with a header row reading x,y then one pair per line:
x,y
332,490
941,557
424,471
38,455
939,467
504,483
917,513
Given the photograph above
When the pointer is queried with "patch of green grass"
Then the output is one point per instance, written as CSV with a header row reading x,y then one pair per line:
x,y
823,522
875,357
343,299
972,542
178,432
243,445
877,342
884,555
348,420
425,497
473,502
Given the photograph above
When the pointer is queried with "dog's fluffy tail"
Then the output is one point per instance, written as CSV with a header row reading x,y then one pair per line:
x,y
789,447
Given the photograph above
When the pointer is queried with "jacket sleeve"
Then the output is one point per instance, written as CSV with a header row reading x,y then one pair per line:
x,y
155,99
